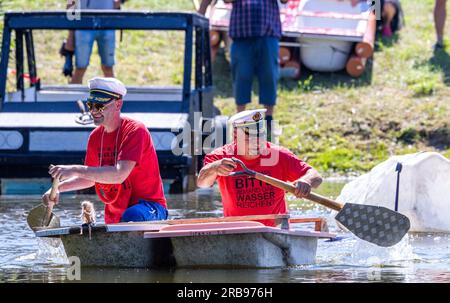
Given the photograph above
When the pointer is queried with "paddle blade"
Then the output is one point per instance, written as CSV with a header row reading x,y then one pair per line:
x,y
375,224
37,217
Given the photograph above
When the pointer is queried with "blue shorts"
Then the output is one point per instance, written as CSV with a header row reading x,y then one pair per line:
x,y
145,211
84,41
255,56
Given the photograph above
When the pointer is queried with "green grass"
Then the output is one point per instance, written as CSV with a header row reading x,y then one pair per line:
x,y
339,124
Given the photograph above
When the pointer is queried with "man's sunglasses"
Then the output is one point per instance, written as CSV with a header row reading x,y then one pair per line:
x,y
257,134
98,106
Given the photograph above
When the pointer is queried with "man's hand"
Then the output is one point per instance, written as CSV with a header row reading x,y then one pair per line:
x,y
63,172
46,198
303,188
209,173
224,167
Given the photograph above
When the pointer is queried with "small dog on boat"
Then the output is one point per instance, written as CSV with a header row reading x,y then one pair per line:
x,y
87,216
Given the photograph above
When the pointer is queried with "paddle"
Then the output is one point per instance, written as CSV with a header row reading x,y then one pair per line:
x,y
42,216
85,118
375,224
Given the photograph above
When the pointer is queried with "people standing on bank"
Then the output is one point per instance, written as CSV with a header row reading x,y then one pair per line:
x,y
82,41
255,29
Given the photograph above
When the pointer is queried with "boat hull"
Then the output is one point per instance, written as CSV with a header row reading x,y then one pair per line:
x,y
118,249
258,250
241,244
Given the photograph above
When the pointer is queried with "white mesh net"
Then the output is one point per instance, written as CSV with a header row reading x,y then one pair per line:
x,y
424,189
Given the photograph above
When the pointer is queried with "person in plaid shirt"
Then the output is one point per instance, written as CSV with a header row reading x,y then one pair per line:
x,y
255,29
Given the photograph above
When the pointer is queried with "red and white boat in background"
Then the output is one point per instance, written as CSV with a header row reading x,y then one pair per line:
x,y
323,35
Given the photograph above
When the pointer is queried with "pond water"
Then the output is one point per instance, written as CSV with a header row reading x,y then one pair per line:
x,y
417,258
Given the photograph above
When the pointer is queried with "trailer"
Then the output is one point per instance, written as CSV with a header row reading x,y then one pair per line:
x,y
322,35
41,124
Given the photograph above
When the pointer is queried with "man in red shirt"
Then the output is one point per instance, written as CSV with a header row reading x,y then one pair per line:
x,y
242,195
120,161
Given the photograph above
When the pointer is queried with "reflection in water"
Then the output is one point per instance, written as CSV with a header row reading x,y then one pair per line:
x,y
23,258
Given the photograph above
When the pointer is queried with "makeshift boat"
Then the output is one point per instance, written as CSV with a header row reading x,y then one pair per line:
x,y
247,244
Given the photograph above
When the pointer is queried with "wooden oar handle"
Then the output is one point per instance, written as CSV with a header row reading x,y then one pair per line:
x,y
54,190
290,188
325,201
49,208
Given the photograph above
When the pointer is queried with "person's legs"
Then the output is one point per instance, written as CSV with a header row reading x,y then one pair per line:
x,y
108,71
268,70
106,41
242,70
78,75
214,50
389,11
215,40
440,14
84,40
268,74
70,42
270,109
144,211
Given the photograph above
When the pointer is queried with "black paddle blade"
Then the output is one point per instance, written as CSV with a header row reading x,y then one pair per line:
x,y
375,224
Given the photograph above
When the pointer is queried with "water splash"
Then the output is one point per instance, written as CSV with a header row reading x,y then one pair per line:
x,y
368,254
51,250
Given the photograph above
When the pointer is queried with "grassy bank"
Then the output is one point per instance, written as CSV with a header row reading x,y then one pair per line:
x,y
339,124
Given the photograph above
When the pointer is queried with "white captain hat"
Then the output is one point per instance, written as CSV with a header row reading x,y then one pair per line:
x,y
248,118
104,89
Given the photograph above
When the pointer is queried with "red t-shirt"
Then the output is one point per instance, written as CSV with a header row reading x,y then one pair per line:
x,y
144,182
242,196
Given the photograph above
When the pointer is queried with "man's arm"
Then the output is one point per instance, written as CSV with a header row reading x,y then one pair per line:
x,y
74,183
209,173
71,184
70,4
204,6
105,174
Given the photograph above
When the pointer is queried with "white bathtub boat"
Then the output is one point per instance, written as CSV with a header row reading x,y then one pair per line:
x,y
246,244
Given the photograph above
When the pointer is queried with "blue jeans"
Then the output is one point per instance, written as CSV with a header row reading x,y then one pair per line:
x,y
255,56
84,41
144,211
